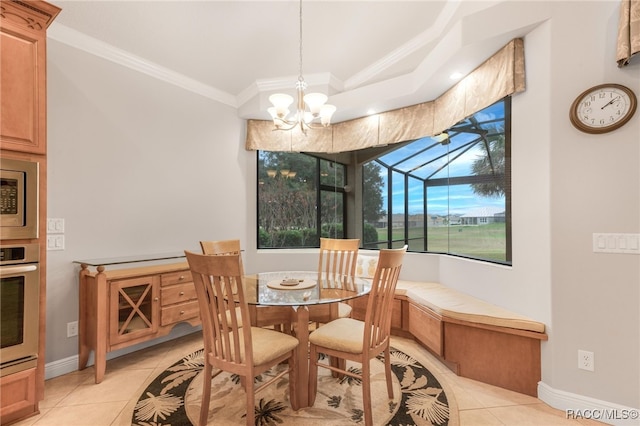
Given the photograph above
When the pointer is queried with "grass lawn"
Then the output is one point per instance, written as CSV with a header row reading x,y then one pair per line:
x,y
481,241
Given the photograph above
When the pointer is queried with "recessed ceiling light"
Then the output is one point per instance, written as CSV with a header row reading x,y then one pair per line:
x,y
456,76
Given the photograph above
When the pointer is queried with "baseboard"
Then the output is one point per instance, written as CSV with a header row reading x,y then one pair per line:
x,y
60,367
583,407
69,365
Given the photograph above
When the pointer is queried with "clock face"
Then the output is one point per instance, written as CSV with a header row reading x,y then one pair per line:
x,y
603,108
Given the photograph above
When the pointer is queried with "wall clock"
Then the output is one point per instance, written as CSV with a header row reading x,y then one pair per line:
x,y
603,108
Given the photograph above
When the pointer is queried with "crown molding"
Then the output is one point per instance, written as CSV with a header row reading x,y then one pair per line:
x,y
432,33
73,38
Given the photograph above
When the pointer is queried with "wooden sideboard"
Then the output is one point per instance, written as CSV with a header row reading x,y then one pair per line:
x,y
124,307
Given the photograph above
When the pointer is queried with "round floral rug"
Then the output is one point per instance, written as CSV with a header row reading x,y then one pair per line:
x,y
173,398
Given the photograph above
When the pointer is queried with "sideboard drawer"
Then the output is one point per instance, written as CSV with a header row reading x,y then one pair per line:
x,y
180,312
177,293
178,277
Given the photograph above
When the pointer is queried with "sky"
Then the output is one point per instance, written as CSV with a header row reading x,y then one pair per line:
x,y
425,156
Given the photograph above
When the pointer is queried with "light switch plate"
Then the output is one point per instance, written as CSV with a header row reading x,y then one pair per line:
x,y
55,226
55,242
616,243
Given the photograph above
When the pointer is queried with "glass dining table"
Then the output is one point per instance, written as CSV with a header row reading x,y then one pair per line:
x,y
302,292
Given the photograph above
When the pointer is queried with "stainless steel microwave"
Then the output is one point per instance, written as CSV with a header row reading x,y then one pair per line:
x,y
18,199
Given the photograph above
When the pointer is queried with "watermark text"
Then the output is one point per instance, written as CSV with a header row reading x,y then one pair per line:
x,y
603,414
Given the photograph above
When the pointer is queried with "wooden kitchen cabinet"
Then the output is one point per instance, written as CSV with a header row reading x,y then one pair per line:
x,y
23,136
124,307
23,81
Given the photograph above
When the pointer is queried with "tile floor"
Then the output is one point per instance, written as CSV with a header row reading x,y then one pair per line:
x,y
74,399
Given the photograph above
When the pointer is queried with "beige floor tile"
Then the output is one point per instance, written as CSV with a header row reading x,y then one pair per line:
x,y
116,386
31,420
493,396
101,414
74,399
533,414
465,400
58,388
481,417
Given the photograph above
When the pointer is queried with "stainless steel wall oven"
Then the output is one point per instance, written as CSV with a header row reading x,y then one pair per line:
x,y
19,307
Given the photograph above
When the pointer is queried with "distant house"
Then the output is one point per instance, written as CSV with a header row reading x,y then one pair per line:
x,y
483,216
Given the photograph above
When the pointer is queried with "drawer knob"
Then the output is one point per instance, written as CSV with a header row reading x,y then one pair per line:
x,y
182,293
155,299
181,312
181,277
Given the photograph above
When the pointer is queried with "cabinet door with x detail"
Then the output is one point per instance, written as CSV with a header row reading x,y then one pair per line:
x,y
134,309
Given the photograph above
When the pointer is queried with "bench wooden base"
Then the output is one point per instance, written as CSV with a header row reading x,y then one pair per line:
x,y
496,357
499,356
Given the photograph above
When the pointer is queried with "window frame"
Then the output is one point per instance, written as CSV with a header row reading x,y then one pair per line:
x,y
320,186
440,182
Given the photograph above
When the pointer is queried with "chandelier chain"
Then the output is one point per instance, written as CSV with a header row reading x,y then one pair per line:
x,y
300,78
310,106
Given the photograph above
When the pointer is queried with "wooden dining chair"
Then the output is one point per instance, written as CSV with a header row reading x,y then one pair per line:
x,y
246,351
261,316
337,257
360,341
224,247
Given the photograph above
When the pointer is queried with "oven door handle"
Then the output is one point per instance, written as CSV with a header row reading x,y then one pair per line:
x,y
14,270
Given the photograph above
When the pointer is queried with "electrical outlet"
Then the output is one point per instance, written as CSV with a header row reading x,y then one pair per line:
x,y
72,329
585,360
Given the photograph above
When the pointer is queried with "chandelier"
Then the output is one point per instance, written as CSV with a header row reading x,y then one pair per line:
x,y
311,109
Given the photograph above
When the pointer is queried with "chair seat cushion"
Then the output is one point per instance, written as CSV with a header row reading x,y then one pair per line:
x,y
343,334
344,310
269,344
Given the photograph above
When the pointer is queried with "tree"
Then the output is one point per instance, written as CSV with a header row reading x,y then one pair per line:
x,y
286,201
372,184
492,163
289,203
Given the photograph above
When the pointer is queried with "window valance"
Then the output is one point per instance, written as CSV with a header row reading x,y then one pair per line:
x,y
628,31
501,75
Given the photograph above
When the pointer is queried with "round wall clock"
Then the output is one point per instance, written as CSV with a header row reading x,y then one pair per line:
x,y
603,108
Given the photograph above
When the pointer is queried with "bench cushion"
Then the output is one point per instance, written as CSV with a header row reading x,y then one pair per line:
x,y
403,286
456,305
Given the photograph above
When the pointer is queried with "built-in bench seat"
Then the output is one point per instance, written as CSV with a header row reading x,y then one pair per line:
x,y
474,338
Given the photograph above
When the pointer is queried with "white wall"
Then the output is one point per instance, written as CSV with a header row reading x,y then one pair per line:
x,y
139,166
136,166
595,187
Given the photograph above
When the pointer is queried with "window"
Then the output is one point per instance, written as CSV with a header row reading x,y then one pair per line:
x,y
300,199
448,195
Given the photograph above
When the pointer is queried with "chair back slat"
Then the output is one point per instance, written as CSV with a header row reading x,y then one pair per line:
x,y
223,247
218,284
380,304
338,256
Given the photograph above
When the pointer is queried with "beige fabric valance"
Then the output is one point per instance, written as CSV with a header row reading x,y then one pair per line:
x,y
501,75
628,31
